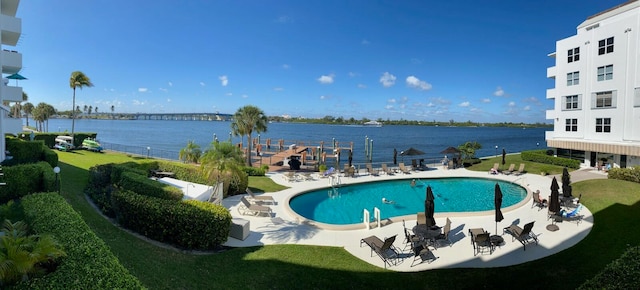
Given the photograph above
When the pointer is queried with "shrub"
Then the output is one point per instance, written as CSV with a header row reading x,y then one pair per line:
x,y
27,179
252,171
540,156
99,188
622,273
142,185
25,152
190,225
628,174
49,213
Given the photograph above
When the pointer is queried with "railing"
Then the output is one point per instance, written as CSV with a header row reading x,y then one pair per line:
x,y
141,151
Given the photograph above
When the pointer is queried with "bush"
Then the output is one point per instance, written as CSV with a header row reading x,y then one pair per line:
x,y
99,188
49,213
26,179
252,171
25,152
142,185
192,225
540,156
619,274
628,174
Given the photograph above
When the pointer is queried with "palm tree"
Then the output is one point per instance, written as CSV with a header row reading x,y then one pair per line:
x,y
221,160
77,80
191,153
112,109
246,120
27,108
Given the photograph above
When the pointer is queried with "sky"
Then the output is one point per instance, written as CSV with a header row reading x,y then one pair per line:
x,y
479,61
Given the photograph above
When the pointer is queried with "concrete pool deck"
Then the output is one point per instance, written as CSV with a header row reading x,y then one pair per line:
x,y
285,227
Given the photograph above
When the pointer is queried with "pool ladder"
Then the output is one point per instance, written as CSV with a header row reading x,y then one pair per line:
x,y
366,217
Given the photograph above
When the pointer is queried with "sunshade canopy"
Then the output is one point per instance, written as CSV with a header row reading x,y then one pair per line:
x,y
411,151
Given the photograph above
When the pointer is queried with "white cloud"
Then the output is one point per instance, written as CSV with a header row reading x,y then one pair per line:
x,y
414,82
362,86
323,97
512,104
391,100
278,89
142,90
286,66
202,84
464,104
487,100
404,100
163,90
170,84
168,100
224,81
388,107
245,96
527,108
353,74
137,102
387,79
326,79
430,104
499,92
416,61
284,19
365,42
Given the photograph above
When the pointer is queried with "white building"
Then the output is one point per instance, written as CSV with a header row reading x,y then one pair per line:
x,y
10,63
596,97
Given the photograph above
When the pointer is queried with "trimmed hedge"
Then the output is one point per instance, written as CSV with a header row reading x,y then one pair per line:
x,y
25,152
619,274
49,139
192,225
89,263
26,179
142,185
628,174
541,156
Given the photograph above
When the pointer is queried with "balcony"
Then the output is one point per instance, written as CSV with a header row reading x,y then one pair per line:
x,y
550,114
9,7
551,93
11,94
551,72
11,61
11,29
11,125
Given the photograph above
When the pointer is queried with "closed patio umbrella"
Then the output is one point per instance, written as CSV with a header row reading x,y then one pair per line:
x,y
498,204
395,156
504,156
554,203
429,208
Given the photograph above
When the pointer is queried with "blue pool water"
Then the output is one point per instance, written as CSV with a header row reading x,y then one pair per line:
x,y
451,195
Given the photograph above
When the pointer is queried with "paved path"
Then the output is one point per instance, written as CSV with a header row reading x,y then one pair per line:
x,y
286,227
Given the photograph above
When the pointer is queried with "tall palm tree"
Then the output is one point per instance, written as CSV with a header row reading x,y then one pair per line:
x,y
247,120
27,108
77,80
191,153
222,161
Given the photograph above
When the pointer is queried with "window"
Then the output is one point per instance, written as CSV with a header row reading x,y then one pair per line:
x,y
603,125
573,78
636,98
573,54
605,73
605,46
572,102
604,99
571,125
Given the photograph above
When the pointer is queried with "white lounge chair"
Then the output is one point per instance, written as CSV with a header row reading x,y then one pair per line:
x,y
247,208
259,199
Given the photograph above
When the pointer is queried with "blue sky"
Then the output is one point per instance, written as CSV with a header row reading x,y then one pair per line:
x,y
483,61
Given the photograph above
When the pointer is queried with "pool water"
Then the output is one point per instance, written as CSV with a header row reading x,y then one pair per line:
x,y
344,205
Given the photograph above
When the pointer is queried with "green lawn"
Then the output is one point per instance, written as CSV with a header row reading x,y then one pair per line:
x,y
614,204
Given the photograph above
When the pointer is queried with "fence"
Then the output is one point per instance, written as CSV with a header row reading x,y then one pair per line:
x,y
142,151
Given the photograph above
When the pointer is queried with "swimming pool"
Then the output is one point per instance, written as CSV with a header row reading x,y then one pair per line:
x,y
344,205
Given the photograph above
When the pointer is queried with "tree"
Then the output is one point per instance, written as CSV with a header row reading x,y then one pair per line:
x,y
223,161
84,110
468,149
90,110
41,113
96,110
191,153
27,108
247,120
112,109
77,80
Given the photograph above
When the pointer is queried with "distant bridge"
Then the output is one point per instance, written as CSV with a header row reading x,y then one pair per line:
x,y
176,116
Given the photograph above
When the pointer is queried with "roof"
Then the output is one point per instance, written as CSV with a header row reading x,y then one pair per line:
x,y
626,6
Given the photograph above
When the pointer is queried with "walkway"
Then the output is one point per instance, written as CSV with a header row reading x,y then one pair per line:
x,y
287,228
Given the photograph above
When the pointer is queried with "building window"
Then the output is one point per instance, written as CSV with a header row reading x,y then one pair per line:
x,y
573,54
605,73
573,78
636,98
603,125
572,102
571,125
605,46
604,99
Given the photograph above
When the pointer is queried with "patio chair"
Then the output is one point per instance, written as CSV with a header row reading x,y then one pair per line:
x,y
290,176
385,250
386,169
512,167
482,242
247,208
371,170
494,169
537,201
573,216
524,236
414,164
520,169
421,218
445,234
260,199
410,239
422,252
403,168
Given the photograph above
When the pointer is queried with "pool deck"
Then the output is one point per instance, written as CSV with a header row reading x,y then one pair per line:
x,y
285,227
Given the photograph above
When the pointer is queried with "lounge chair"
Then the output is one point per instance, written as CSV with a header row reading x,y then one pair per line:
x,y
520,169
371,170
512,167
259,199
445,234
537,201
403,168
422,252
494,169
482,242
386,169
385,250
290,176
572,216
524,236
247,208
414,164
409,237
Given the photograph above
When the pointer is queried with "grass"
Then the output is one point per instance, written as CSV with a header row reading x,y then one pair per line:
x,y
615,205
530,167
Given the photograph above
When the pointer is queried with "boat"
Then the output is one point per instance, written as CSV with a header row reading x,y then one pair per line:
x,y
91,145
372,124
64,143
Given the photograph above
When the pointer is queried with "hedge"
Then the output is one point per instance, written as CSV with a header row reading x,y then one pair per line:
x,y
141,184
25,152
193,225
49,139
541,156
26,179
619,274
89,263
628,174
